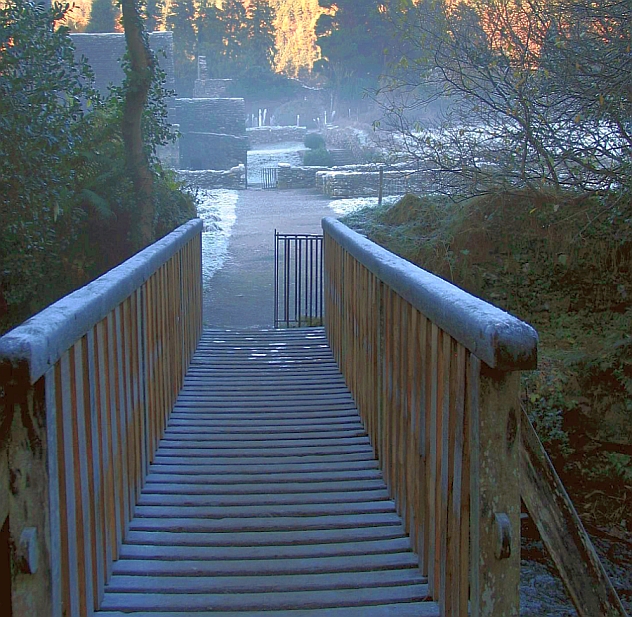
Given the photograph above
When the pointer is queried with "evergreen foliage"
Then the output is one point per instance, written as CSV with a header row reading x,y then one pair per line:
x,y
68,210
180,20
314,141
238,42
260,44
154,10
357,38
295,24
103,16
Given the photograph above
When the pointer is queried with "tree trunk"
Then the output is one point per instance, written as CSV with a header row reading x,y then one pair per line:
x,y
139,83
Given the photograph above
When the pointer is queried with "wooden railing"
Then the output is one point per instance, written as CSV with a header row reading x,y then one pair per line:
x,y
434,372
86,387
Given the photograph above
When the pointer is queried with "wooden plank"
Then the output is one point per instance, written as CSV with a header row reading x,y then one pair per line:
x,y
562,531
215,436
409,609
267,567
254,584
113,433
278,488
270,416
96,460
237,458
274,600
106,464
70,566
301,459
226,424
83,455
270,468
271,478
277,510
53,445
303,552
276,523
495,491
214,499
269,538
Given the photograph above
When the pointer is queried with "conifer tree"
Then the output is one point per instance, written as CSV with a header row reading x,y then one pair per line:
x,y
103,16
154,17
260,48
180,21
210,38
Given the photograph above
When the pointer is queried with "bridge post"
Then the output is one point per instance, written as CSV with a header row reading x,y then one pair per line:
x,y
24,494
494,492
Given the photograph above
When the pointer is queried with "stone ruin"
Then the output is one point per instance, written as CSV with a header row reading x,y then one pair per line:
x,y
205,88
212,129
104,50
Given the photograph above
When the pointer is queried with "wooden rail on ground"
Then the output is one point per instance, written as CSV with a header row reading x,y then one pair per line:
x,y
86,387
433,371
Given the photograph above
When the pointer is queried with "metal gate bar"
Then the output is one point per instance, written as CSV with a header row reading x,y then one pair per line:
x,y
269,177
298,280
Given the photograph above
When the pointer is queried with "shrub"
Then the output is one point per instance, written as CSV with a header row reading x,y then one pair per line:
x,y
318,158
314,141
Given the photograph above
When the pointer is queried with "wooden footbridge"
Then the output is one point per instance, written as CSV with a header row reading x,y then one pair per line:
x,y
371,468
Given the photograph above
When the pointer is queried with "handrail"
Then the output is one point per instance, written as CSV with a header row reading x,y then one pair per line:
x,y
433,371
86,387
494,336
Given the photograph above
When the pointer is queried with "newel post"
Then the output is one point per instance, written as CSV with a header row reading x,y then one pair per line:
x,y
24,493
495,491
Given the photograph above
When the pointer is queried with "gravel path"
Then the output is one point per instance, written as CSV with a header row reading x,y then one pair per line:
x,y
240,294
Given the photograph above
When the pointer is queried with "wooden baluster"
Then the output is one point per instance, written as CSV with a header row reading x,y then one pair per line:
x,y
97,459
425,375
82,456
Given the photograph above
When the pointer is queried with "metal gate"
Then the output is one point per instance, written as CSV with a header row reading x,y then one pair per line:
x,y
298,280
269,177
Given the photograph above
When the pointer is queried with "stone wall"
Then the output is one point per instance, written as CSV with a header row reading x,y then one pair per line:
x,y
212,151
275,134
344,184
213,133
225,116
297,177
234,178
104,50
211,88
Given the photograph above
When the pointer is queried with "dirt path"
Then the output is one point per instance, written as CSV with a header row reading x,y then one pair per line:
x,y
241,292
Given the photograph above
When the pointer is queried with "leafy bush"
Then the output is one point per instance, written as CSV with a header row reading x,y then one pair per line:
x,y
40,132
318,158
67,206
314,141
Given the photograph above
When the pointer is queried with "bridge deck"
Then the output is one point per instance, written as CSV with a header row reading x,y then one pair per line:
x,y
264,498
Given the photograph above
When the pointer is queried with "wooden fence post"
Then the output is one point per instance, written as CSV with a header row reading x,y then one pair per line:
x,y
495,492
25,490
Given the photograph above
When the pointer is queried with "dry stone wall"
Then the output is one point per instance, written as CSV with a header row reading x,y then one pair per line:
x,y
213,133
297,177
234,178
345,184
261,135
